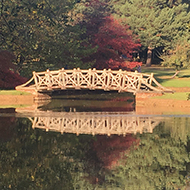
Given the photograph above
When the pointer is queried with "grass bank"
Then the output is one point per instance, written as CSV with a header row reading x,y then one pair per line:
x,y
13,92
15,99
164,76
180,84
174,96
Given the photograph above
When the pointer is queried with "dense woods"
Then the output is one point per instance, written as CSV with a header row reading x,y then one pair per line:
x,y
94,33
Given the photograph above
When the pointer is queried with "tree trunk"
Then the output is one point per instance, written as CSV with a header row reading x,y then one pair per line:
x,y
149,57
176,73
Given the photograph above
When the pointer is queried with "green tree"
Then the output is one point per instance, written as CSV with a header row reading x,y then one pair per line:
x,y
178,57
41,34
157,23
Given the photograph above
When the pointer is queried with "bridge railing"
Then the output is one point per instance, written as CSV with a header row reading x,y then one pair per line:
x,y
94,79
87,79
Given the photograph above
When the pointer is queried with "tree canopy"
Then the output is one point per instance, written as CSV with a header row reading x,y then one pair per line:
x,y
41,35
178,56
116,45
90,33
9,78
157,23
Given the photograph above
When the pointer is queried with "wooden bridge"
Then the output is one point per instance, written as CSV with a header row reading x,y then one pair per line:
x,y
104,123
92,79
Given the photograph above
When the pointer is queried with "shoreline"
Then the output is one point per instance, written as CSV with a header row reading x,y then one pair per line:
x,y
155,106
16,100
145,104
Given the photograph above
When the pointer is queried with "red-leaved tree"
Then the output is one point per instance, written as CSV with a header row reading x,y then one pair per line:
x,y
116,45
8,77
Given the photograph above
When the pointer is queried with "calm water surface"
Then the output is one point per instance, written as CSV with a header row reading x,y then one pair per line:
x,y
92,141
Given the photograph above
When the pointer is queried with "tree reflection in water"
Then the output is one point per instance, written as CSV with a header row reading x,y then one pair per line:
x,y
111,150
6,124
106,153
35,159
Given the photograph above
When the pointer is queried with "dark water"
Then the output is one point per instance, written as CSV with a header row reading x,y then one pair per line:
x,y
92,141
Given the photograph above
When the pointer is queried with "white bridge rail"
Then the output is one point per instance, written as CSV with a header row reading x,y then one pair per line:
x,y
122,81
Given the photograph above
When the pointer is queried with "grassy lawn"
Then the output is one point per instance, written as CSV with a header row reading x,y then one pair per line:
x,y
165,72
174,96
180,82
158,71
14,106
163,76
13,92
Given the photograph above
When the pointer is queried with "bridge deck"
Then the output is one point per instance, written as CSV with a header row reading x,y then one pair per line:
x,y
92,79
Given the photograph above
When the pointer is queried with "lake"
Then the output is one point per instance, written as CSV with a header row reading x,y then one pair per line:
x,y
93,140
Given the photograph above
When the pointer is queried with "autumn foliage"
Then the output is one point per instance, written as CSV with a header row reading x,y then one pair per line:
x,y
8,76
116,45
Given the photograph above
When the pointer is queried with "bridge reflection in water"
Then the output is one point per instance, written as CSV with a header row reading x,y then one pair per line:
x,y
110,123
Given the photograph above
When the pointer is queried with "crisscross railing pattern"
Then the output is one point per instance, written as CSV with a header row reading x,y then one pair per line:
x,y
93,79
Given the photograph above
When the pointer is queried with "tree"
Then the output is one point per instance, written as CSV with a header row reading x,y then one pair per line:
x,y
9,78
41,35
178,57
113,40
157,23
